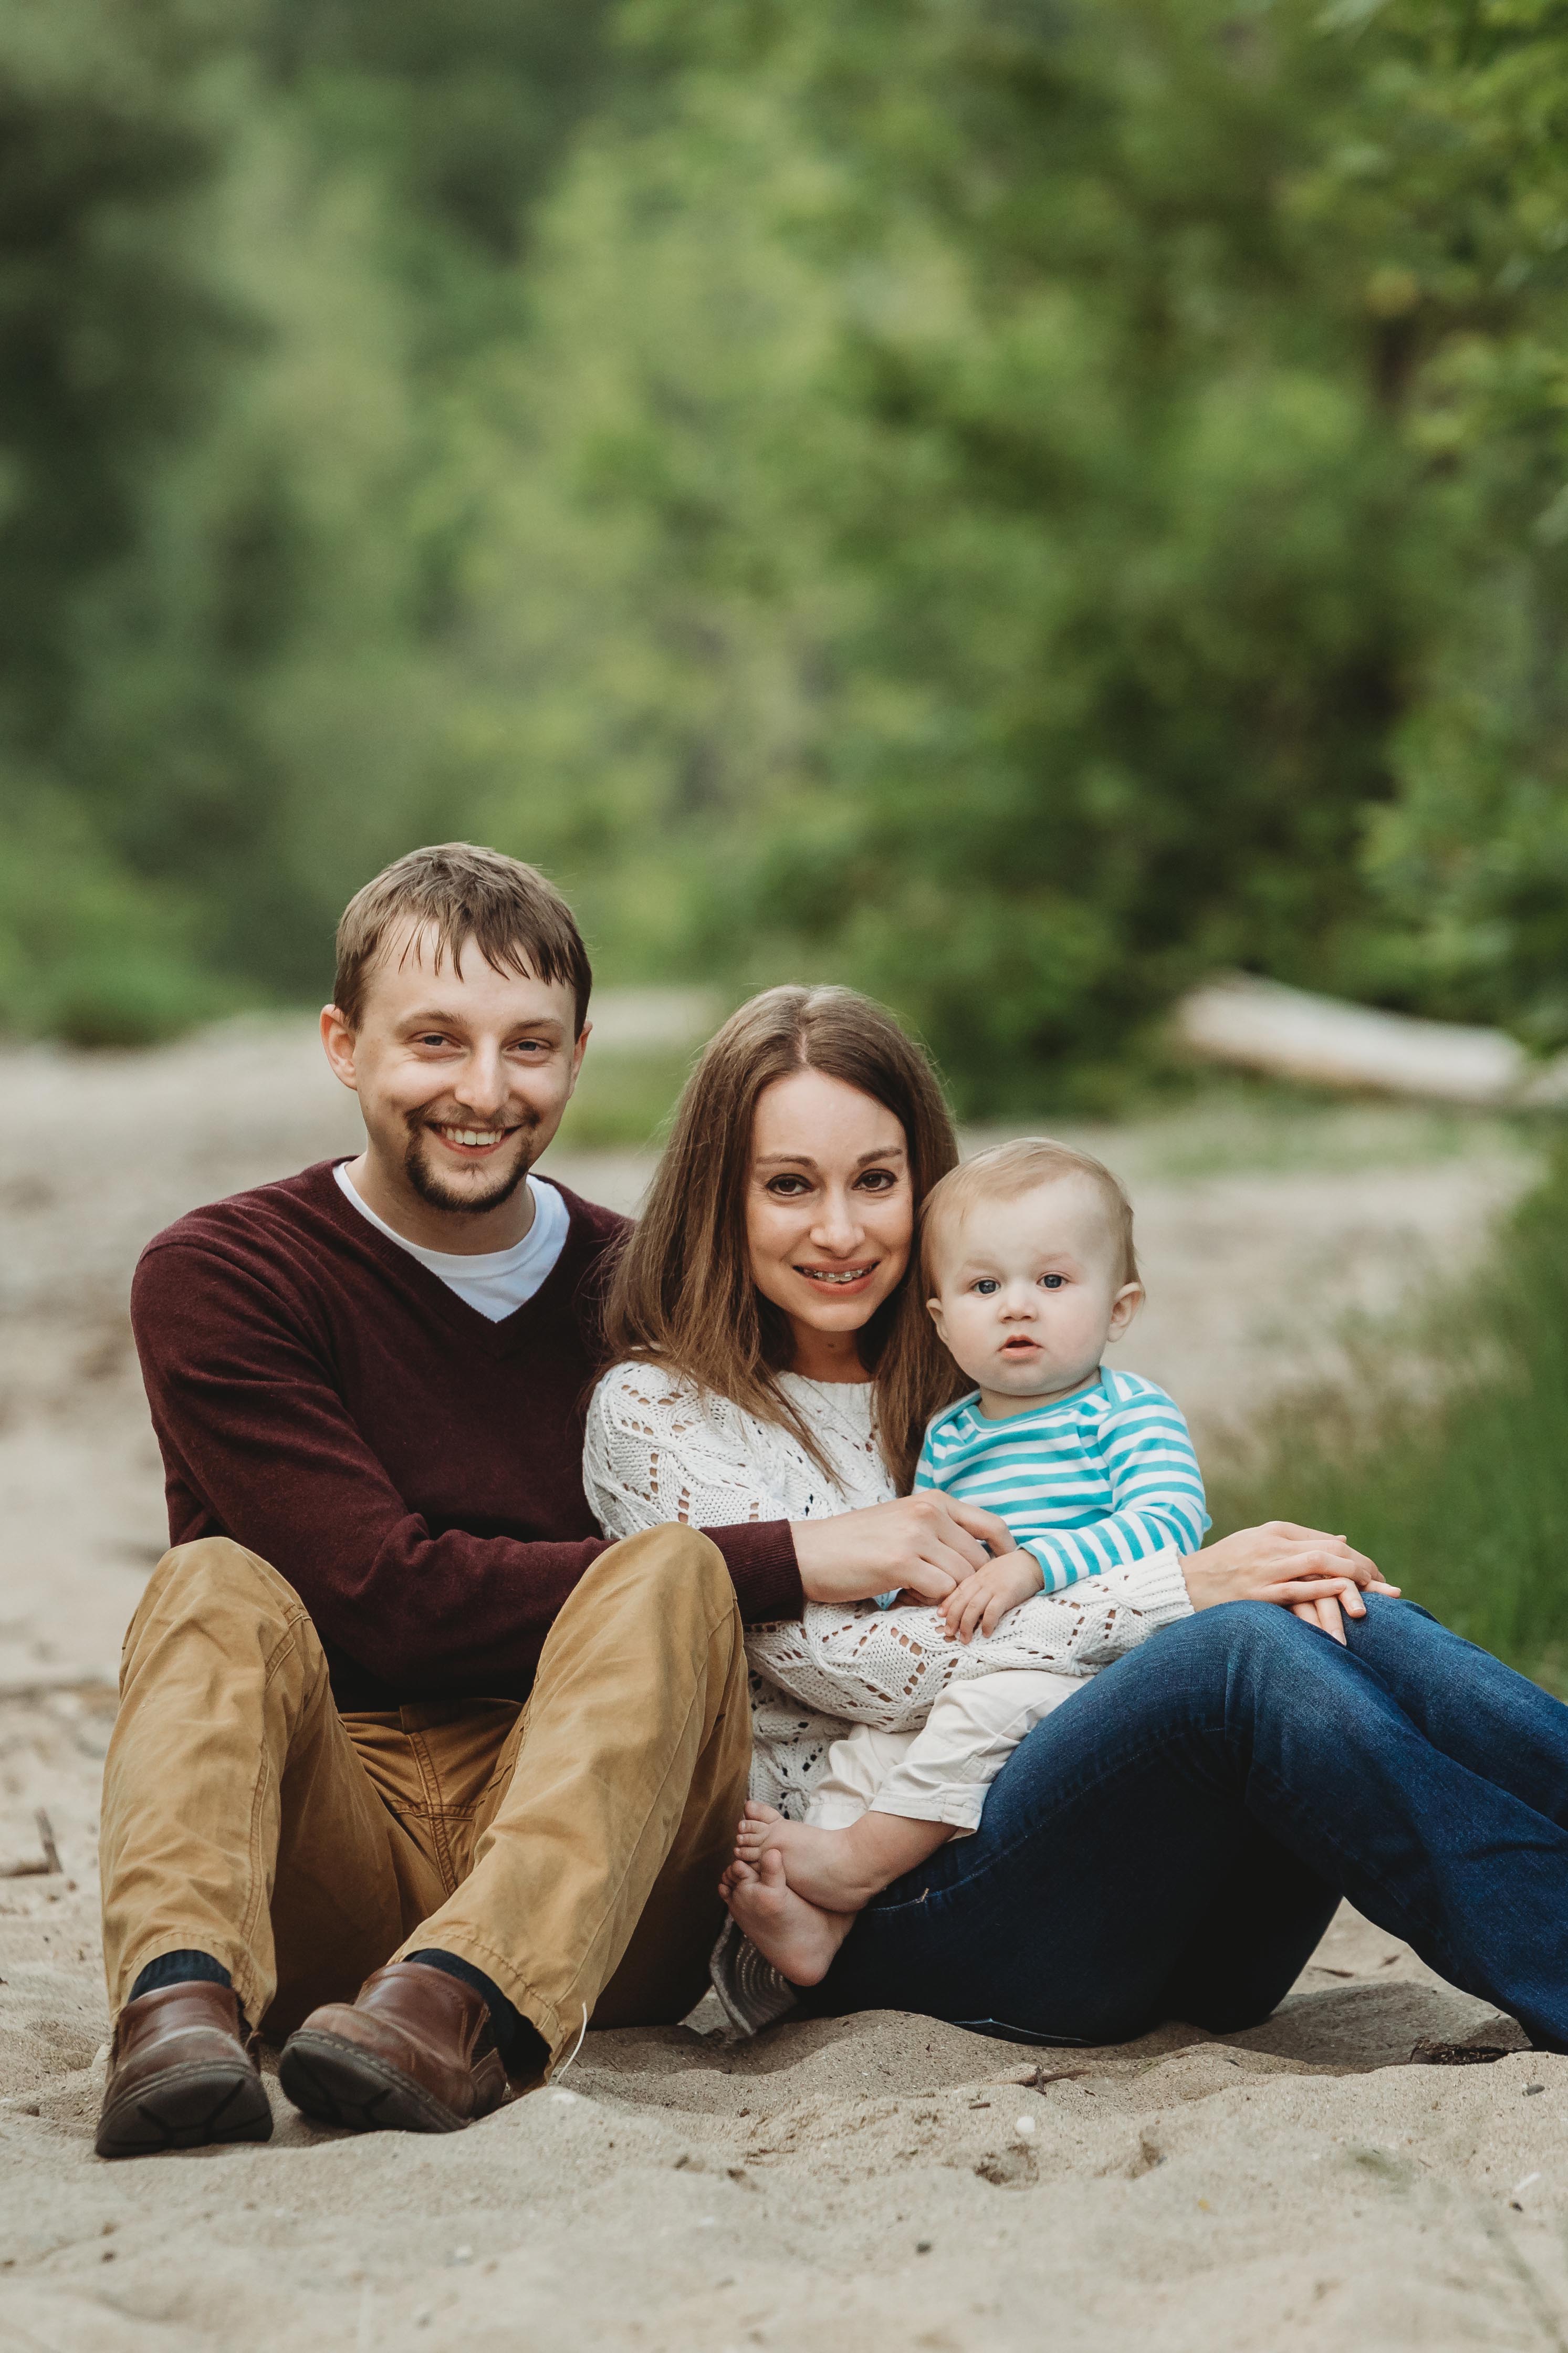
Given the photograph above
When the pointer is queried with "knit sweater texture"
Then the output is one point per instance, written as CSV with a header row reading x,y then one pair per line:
x,y
414,1470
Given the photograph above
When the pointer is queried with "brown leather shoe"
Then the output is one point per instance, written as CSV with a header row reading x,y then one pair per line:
x,y
415,2053
182,2073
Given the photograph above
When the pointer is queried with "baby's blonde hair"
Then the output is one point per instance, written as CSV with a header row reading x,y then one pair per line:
x,y
1009,1169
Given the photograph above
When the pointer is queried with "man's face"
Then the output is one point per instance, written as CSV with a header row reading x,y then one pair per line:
x,y
462,1075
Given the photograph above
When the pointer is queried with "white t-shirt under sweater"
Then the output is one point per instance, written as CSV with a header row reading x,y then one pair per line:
x,y
497,1283
656,1450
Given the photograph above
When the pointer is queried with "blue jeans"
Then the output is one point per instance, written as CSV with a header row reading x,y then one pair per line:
x,y
1172,1843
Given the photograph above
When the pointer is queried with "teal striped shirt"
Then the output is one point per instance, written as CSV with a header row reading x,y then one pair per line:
x,y
1088,1482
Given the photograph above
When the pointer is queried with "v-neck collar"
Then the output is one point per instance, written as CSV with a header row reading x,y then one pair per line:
x,y
494,1339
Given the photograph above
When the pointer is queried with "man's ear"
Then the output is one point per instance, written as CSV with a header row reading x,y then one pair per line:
x,y
338,1041
578,1050
1123,1308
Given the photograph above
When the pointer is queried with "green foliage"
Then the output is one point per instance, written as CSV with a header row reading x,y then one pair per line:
x,y
113,332
109,328
1171,547
466,106
1013,504
227,329
87,951
1457,1486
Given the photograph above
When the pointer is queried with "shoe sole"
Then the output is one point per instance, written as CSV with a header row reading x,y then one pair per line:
x,y
339,2082
198,2105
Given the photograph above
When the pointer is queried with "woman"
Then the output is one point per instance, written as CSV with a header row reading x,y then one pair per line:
x,y
1171,1843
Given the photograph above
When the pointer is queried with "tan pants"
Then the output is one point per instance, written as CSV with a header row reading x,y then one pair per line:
x,y
570,1849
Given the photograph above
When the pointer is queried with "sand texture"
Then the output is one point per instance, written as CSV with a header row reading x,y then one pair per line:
x,y
854,2185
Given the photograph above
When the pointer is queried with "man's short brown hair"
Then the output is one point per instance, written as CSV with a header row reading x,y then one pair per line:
x,y
1009,1169
518,920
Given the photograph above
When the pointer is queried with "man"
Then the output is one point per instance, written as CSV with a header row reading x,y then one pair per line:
x,y
410,1767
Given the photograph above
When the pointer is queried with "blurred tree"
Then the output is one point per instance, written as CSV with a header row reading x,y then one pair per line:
x,y
469,106
1120,540
113,332
1462,168
653,599
247,672
1011,502
110,323
1152,554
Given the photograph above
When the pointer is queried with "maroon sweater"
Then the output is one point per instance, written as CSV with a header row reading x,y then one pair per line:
x,y
414,1470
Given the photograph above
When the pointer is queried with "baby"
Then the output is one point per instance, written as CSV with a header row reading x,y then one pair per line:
x,y
1028,1253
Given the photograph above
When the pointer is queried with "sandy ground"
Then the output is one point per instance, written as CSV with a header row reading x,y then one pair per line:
x,y
874,2182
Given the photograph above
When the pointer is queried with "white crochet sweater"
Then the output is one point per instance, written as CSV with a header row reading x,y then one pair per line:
x,y
658,1449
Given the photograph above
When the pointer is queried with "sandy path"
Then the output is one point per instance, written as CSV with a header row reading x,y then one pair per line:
x,y
872,2182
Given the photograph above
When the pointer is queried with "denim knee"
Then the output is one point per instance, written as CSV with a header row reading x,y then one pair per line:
x,y
1253,1640
1231,1628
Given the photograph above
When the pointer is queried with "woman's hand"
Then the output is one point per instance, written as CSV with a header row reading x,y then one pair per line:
x,y
1326,1616
1302,1569
926,1543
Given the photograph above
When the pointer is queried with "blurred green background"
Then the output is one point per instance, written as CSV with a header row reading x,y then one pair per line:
x,y
1013,503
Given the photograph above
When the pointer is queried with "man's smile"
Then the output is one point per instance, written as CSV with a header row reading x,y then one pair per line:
x,y
502,1152
471,1142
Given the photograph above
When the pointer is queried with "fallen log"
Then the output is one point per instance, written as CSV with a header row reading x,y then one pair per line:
x,y
1289,1033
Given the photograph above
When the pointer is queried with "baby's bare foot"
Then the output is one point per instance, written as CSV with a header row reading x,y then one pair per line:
x,y
826,1866
798,1938
755,1830
843,1869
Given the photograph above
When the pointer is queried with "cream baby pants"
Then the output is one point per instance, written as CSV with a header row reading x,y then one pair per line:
x,y
941,1773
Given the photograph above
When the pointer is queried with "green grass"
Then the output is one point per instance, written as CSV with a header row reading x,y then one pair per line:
x,y
1444,1454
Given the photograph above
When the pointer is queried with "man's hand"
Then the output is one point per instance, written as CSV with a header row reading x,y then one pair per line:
x,y
1304,1569
926,1544
979,1604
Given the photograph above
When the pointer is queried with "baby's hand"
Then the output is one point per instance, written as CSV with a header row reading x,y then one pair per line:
x,y
978,1605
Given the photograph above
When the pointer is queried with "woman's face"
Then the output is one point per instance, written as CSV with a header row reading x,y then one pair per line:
x,y
829,1208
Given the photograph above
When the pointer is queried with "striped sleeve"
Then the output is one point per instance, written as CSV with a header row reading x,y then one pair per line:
x,y
1156,1494
941,1449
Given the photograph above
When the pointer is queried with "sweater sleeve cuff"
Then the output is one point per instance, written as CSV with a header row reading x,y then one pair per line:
x,y
1158,1590
760,1557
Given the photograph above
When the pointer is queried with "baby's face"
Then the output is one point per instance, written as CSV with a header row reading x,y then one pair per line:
x,y
1030,1292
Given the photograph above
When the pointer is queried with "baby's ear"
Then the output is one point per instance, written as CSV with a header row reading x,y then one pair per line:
x,y
1124,1306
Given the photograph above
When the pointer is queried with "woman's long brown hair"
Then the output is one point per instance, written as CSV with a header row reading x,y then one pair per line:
x,y
682,1294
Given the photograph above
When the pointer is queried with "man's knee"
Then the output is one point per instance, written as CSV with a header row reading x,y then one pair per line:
x,y
670,1565
207,1577
216,1564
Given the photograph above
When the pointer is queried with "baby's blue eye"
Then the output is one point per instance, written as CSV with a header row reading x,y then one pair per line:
x,y
987,1285
1053,1282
